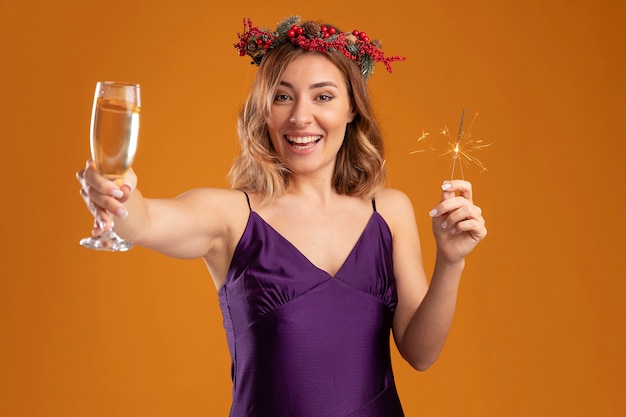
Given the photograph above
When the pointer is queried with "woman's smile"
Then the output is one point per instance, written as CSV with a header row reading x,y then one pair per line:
x,y
302,143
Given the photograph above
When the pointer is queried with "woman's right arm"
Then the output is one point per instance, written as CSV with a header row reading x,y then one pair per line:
x,y
199,223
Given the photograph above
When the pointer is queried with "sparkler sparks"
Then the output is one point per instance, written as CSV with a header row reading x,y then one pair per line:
x,y
462,148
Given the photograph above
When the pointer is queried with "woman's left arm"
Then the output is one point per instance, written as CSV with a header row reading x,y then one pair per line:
x,y
424,312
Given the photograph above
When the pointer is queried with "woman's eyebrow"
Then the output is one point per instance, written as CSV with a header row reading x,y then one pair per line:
x,y
312,86
323,84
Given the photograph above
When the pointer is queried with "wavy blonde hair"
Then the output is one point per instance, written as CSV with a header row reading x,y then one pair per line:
x,y
359,168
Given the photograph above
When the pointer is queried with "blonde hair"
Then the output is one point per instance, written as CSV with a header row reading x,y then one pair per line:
x,y
360,167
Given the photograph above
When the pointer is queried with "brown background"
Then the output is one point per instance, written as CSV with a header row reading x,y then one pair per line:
x,y
540,323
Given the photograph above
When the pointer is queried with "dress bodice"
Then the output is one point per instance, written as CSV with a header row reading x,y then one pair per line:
x,y
304,343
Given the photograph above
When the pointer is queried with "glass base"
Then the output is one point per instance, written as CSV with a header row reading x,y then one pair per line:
x,y
107,241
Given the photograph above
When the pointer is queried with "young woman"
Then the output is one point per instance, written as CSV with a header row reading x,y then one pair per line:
x,y
315,262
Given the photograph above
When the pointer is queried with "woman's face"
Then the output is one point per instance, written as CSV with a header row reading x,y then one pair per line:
x,y
309,114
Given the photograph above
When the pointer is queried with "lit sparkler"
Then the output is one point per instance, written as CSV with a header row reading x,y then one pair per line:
x,y
462,148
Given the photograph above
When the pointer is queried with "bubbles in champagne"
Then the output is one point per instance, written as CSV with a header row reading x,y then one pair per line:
x,y
114,136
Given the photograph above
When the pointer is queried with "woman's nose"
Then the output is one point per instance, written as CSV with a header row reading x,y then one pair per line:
x,y
302,114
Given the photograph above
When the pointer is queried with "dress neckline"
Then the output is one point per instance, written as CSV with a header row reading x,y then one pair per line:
x,y
303,256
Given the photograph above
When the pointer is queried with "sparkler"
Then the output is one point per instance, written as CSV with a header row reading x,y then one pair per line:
x,y
462,148
455,155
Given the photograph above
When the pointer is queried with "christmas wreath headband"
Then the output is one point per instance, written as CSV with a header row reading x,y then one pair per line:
x,y
310,36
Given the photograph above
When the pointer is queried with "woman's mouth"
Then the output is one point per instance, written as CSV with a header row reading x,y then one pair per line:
x,y
303,142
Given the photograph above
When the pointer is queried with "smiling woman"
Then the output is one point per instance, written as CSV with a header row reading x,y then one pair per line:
x,y
360,165
314,260
309,115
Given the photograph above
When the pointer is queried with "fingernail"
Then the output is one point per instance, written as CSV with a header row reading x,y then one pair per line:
x,y
433,212
117,193
444,225
121,213
446,186
453,231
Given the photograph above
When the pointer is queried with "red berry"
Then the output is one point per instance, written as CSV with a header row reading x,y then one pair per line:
x,y
259,41
355,32
332,31
362,35
324,28
299,31
291,33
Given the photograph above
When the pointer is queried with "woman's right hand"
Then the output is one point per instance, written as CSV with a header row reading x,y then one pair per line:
x,y
103,197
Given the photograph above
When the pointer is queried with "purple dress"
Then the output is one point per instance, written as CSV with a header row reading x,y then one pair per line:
x,y
304,343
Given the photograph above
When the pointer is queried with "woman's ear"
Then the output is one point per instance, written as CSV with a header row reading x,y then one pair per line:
x,y
351,115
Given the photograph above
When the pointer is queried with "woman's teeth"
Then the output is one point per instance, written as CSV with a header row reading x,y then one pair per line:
x,y
303,140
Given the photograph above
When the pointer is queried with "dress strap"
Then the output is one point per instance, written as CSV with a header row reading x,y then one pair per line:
x,y
374,203
247,199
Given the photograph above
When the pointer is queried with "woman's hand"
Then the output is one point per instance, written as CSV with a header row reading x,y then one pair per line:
x,y
458,224
103,197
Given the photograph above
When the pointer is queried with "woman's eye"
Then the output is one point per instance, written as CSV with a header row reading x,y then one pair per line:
x,y
325,97
281,97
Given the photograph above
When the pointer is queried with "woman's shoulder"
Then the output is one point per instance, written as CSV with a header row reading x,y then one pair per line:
x,y
225,203
394,206
392,198
210,195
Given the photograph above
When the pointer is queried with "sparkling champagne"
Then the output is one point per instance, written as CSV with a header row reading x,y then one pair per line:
x,y
114,135
113,140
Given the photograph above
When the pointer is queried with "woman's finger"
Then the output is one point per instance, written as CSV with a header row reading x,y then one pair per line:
x,y
452,188
95,181
454,193
100,194
128,184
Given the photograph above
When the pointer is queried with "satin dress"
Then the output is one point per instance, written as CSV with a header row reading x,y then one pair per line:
x,y
304,343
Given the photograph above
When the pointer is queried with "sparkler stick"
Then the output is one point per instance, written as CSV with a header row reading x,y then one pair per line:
x,y
455,155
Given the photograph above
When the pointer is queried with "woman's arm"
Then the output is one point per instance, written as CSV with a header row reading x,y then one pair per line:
x,y
194,224
425,312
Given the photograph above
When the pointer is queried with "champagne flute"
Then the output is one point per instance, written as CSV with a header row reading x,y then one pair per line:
x,y
113,140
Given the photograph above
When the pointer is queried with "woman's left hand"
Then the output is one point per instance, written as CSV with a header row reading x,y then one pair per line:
x,y
458,224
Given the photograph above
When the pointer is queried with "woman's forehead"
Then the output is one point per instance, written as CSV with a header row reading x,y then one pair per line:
x,y
312,68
